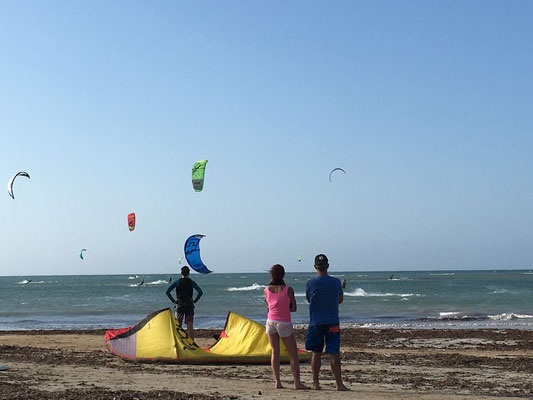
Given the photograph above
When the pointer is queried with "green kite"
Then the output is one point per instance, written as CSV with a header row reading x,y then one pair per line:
x,y
198,172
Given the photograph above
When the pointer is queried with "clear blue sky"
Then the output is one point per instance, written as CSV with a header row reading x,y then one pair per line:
x,y
428,106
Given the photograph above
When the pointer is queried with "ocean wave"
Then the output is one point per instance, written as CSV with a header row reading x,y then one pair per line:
x,y
362,293
509,316
158,282
444,274
501,291
24,282
255,286
133,277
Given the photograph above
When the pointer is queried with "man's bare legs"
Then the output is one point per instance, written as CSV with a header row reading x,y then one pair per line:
x,y
316,361
335,362
189,320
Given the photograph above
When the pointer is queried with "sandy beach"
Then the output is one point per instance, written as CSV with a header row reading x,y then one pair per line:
x,y
377,364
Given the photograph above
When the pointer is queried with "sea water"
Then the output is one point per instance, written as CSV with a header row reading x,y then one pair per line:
x,y
397,299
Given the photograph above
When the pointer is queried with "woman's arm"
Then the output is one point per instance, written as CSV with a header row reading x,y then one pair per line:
x,y
290,292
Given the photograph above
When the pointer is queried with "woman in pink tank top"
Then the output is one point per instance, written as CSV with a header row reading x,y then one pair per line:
x,y
281,302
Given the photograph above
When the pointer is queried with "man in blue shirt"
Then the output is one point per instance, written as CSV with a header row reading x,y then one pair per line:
x,y
324,294
184,302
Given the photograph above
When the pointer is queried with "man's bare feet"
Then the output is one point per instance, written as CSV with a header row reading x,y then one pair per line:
x,y
342,388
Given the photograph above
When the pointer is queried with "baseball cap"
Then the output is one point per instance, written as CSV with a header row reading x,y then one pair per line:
x,y
321,259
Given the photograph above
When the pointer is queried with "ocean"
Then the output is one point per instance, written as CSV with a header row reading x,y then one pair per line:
x,y
396,299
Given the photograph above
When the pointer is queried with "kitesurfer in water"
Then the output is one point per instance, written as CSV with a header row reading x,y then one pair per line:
x,y
324,294
184,302
141,283
281,302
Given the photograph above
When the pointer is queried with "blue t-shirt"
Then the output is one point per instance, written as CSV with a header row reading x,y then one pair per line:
x,y
323,294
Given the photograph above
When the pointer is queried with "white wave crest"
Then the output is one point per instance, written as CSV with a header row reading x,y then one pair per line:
x,y
447,314
255,286
158,282
509,316
444,274
362,293
133,277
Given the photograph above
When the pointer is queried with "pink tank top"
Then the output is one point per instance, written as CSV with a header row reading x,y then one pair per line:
x,y
278,305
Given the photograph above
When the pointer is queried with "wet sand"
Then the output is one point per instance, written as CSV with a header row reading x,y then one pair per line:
x,y
376,364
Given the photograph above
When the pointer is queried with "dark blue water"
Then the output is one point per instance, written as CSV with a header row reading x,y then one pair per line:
x,y
421,299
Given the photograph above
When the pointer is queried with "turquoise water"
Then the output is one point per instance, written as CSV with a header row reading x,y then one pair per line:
x,y
426,299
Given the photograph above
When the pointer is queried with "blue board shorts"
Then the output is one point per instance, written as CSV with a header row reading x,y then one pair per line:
x,y
318,334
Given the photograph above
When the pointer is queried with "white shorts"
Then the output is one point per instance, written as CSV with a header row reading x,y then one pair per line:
x,y
282,328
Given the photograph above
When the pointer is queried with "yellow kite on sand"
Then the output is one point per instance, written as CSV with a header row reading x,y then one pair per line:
x,y
158,337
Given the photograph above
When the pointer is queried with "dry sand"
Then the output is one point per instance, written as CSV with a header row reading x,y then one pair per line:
x,y
376,364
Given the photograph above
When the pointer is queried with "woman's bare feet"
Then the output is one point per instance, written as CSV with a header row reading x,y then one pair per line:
x,y
279,385
301,386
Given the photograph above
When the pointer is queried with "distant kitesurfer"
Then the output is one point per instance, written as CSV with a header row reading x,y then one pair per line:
x,y
169,279
390,277
28,281
324,294
344,283
184,302
141,283
281,302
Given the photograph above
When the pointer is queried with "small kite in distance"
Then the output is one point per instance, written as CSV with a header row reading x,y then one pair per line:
x,y
10,183
198,172
131,221
81,253
299,259
336,169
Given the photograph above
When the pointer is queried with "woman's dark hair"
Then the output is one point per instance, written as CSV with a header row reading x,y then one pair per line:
x,y
185,271
277,273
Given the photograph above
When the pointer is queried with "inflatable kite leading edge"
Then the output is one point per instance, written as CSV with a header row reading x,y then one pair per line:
x,y
158,337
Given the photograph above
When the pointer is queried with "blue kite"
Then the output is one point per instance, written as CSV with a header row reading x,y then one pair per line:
x,y
192,254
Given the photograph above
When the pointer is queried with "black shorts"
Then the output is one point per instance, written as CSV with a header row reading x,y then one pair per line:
x,y
184,309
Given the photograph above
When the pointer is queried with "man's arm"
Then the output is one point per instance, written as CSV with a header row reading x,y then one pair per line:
x,y
197,288
169,290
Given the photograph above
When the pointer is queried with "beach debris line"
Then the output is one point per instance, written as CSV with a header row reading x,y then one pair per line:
x,y
335,169
12,180
81,253
198,173
192,254
131,221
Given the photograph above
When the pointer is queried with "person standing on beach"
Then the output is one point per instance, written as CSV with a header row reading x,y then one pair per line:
x,y
184,302
324,294
281,302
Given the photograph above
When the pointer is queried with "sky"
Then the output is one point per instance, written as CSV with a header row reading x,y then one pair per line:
x,y
427,106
